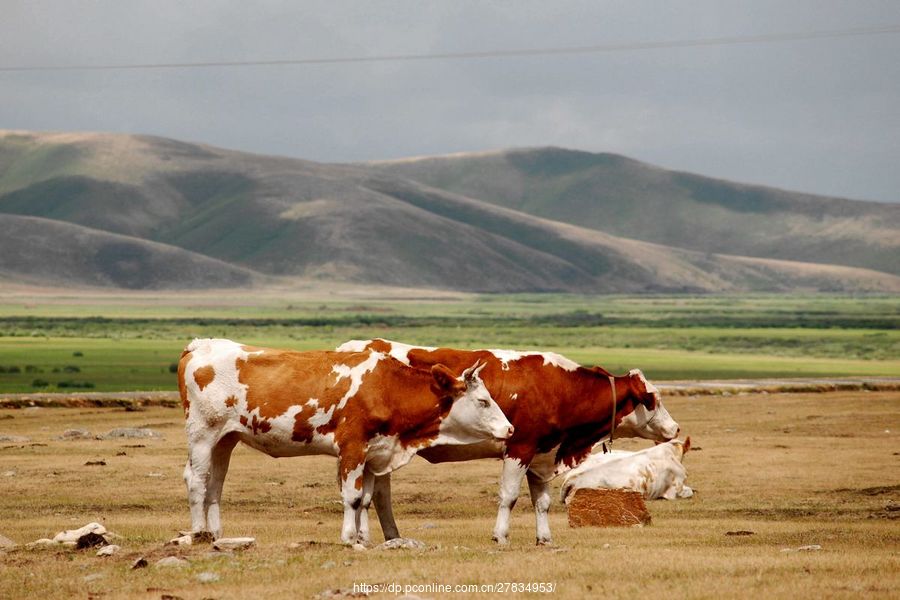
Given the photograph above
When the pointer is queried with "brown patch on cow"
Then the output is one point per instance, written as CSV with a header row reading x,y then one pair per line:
x,y
303,429
256,425
230,401
182,387
204,376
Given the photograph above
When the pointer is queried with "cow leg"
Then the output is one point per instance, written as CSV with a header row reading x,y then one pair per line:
x,y
351,477
196,477
382,498
362,519
220,459
539,486
510,482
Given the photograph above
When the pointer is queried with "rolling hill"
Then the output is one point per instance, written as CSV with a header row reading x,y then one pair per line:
x,y
145,212
625,197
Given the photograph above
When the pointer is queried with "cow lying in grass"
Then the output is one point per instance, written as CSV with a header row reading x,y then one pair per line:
x,y
368,409
655,472
559,409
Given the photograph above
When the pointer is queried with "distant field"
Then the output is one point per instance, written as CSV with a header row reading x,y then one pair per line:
x,y
793,469
129,341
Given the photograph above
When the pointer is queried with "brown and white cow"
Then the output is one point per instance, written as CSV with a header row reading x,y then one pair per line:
x,y
368,409
559,409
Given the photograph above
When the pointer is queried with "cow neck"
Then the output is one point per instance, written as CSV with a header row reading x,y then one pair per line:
x,y
417,411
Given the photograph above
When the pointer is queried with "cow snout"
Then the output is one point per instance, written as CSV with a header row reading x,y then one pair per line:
x,y
509,433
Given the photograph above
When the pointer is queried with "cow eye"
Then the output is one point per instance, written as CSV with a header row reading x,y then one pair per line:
x,y
483,402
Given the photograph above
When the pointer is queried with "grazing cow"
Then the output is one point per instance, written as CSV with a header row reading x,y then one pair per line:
x,y
368,409
559,410
655,472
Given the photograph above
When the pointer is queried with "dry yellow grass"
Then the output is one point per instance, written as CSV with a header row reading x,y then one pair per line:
x,y
795,469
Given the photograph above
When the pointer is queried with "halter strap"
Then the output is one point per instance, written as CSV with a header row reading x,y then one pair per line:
x,y
612,421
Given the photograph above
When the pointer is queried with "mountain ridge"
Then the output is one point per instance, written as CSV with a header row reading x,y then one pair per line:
x,y
267,218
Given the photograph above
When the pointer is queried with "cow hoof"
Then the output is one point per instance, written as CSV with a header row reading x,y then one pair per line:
x,y
502,541
543,542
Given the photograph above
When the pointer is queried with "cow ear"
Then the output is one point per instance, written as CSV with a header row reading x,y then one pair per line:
x,y
445,382
686,446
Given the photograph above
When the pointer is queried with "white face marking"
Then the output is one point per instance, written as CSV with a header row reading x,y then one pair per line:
x,y
355,374
474,417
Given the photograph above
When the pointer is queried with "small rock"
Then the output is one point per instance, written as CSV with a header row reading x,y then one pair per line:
x,y
157,475
122,453
428,526
108,550
402,543
95,463
9,473
72,535
92,577
140,563
41,543
238,543
171,561
6,543
606,546
15,439
130,432
184,540
207,577
359,547
739,532
329,564
809,548
75,434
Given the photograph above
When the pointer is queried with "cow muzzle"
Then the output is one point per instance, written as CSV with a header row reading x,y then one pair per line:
x,y
505,435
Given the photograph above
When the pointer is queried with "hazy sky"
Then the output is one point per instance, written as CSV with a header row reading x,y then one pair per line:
x,y
817,115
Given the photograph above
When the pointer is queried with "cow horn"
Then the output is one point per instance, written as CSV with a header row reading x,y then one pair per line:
x,y
472,372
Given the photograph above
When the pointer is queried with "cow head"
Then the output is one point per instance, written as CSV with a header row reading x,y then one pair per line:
x,y
474,416
649,419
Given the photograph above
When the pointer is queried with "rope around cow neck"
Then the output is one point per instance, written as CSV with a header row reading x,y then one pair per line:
x,y
612,421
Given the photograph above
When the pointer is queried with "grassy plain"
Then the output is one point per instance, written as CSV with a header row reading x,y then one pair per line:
x,y
128,341
794,469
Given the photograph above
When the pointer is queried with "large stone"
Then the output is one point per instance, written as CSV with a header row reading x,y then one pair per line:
x,y
402,544
108,550
171,561
607,508
130,432
72,535
183,540
238,543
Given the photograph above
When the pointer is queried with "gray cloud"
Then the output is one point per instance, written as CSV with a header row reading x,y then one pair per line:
x,y
820,116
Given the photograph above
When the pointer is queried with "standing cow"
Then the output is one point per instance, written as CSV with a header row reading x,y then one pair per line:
x,y
368,409
560,410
